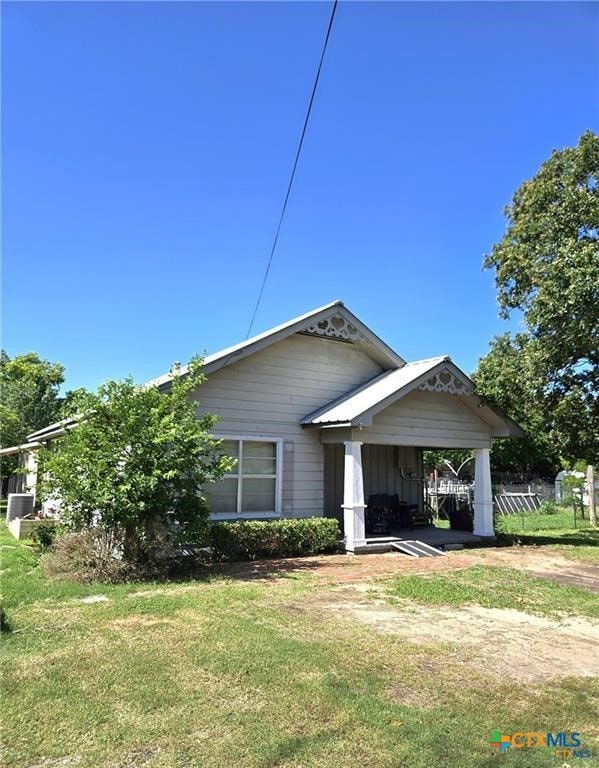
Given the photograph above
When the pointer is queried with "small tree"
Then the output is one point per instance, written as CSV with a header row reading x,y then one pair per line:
x,y
29,395
573,486
136,458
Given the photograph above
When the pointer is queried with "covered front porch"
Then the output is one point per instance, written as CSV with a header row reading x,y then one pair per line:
x,y
377,492
373,441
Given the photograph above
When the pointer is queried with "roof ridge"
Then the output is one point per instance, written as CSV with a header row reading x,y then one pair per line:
x,y
384,350
437,358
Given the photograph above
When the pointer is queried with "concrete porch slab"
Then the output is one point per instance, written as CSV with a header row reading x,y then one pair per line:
x,y
436,537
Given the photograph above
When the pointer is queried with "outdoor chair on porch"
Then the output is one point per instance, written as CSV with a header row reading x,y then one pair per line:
x,y
406,514
379,514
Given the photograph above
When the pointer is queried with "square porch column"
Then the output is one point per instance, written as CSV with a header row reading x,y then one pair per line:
x,y
483,493
30,464
353,497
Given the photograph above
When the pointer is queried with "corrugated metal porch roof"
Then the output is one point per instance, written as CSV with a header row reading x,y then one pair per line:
x,y
359,401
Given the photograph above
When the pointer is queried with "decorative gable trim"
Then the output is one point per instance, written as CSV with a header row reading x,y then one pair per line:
x,y
446,381
336,327
319,322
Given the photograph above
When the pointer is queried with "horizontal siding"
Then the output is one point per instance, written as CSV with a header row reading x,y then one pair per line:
x,y
429,419
270,392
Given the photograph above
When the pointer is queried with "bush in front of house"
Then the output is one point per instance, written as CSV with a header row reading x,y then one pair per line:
x,y
257,539
44,533
134,459
88,556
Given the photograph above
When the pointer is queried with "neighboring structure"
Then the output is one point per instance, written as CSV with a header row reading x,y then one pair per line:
x,y
321,413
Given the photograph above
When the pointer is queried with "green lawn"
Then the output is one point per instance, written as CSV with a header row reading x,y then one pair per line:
x,y
552,530
222,672
555,531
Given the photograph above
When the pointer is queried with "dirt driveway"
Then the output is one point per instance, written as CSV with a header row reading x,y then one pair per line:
x,y
347,569
499,643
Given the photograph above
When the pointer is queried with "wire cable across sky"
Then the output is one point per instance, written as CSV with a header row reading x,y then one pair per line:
x,y
297,157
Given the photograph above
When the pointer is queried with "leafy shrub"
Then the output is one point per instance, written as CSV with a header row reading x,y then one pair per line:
x,y
44,532
256,539
87,556
547,508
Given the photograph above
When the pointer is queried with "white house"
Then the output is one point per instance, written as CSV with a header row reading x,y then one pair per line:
x,y
322,414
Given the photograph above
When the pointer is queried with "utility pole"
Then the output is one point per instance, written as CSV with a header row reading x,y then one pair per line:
x,y
591,495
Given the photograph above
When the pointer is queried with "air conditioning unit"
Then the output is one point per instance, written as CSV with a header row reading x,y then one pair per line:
x,y
19,505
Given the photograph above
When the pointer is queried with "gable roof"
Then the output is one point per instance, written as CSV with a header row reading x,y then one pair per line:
x,y
356,408
361,400
374,346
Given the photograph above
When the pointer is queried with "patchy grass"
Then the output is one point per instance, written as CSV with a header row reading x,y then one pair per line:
x,y
497,587
224,673
23,582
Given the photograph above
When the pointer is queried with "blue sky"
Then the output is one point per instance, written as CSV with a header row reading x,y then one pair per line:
x,y
147,148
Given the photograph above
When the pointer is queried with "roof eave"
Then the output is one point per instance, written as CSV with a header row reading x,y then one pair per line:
x,y
212,363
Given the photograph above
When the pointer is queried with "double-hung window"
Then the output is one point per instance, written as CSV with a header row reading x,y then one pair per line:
x,y
251,486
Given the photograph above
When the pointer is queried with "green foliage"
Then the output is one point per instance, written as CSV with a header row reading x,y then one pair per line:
x,y
457,458
256,539
29,399
508,379
136,461
44,533
573,488
547,508
206,657
547,263
547,266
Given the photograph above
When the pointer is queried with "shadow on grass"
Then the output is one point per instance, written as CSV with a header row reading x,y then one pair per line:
x,y
264,569
587,537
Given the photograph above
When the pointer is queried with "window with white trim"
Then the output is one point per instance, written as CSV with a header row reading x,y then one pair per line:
x,y
251,486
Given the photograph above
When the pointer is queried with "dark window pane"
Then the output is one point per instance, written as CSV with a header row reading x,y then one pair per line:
x,y
222,496
258,495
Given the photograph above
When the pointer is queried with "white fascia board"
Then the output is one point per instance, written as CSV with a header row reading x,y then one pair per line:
x,y
243,349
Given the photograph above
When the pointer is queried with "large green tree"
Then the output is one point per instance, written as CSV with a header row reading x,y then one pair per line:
x,y
137,460
29,398
547,267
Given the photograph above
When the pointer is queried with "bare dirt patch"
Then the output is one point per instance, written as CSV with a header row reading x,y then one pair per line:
x,y
348,569
498,642
547,565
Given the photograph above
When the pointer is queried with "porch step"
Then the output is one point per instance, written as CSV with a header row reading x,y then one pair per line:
x,y
416,549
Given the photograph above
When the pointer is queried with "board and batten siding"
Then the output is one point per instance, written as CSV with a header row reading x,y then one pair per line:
x,y
428,420
267,395
382,466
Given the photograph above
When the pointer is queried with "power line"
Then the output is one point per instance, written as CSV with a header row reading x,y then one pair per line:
x,y
297,156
